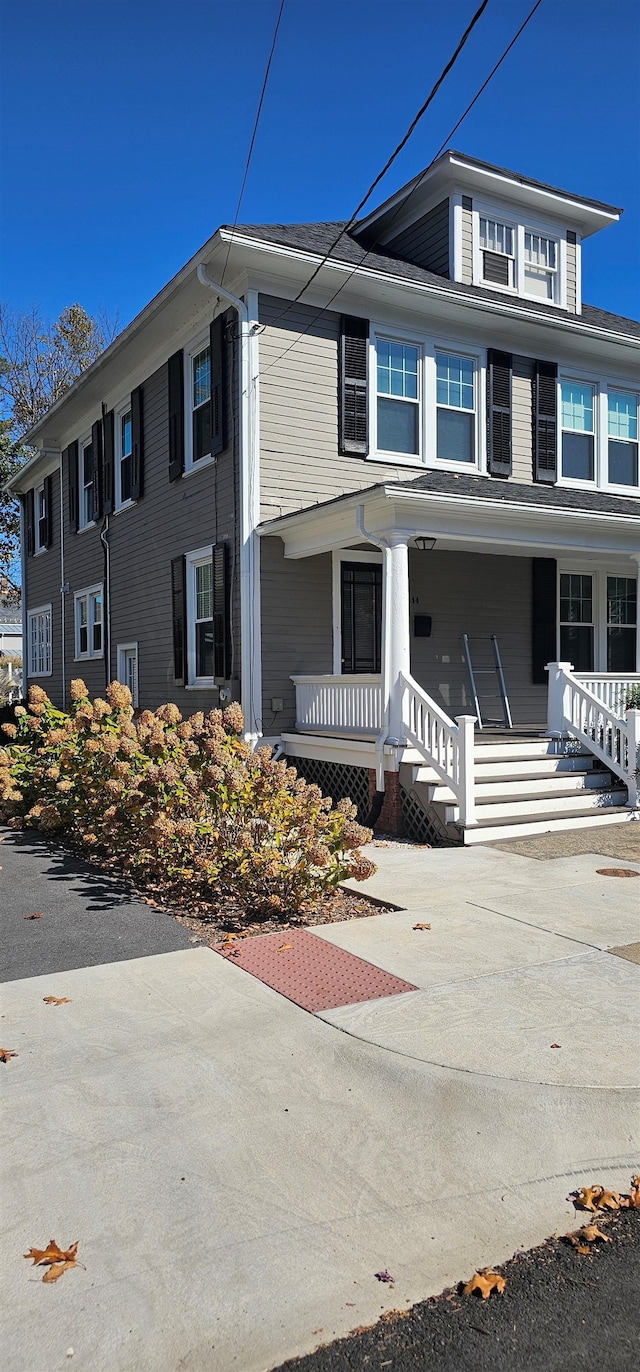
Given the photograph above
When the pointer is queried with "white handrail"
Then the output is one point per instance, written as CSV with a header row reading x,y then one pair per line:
x,y
576,710
612,690
448,747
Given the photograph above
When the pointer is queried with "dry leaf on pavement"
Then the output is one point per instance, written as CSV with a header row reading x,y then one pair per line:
x,y
422,926
385,1277
52,1273
57,1260
555,1045
283,947
581,1238
484,1282
39,915
6,1053
56,1000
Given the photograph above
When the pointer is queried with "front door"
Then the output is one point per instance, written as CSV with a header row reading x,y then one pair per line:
x,y
361,616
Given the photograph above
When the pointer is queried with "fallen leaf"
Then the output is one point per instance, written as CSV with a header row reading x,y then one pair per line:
x,y
610,1200
583,1249
484,1282
56,1000
52,1254
283,947
40,915
56,1270
6,1053
555,1045
588,1234
422,926
384,1276
633,1199
586,1197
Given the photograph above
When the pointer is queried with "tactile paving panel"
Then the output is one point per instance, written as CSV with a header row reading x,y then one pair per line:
x,y
309,971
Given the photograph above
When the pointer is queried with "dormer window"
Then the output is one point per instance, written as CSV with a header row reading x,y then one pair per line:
x,y
540,265
497,247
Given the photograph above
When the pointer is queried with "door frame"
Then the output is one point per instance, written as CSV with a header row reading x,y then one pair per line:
x,y
339,556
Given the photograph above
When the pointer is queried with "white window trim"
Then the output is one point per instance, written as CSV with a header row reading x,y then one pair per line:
x,y
87,591
38,547
122,649
427,393
91,523
382,454
192,560
599,573
628,389
339,556
119,504
32,614
505,215
479,359
583,379
196,346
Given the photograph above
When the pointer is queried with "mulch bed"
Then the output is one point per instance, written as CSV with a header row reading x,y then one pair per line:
x,y
329,909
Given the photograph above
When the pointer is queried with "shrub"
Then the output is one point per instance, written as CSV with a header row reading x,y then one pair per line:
x,y
184,805
632,698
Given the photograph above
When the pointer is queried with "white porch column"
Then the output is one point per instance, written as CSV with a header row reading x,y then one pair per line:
x,y
397,631
555,700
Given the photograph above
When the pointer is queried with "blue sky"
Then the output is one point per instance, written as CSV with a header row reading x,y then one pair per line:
x,y
126,123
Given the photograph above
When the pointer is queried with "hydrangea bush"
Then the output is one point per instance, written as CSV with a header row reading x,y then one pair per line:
x,y
183,804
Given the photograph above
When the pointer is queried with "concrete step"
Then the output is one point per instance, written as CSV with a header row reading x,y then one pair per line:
x,y
530,828
533,788
546,807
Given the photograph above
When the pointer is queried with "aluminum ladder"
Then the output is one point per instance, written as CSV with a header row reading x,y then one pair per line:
x,y
494,671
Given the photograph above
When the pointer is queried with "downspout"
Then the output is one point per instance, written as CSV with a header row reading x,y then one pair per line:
x,y
63,592
23,592
376,805
250,685
104,539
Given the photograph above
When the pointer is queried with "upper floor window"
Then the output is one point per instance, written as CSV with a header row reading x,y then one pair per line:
x,y
497,244
623,438
86,484
200,404
540,265
41,534
578,431
398,405
88,622
39,641
455,399
123,460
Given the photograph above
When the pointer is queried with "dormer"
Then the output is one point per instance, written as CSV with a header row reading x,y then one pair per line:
x,y
485,226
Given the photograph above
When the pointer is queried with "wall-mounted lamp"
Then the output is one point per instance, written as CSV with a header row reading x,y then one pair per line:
x,y
424,544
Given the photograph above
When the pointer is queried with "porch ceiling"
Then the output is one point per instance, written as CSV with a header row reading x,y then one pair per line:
x,y
519,521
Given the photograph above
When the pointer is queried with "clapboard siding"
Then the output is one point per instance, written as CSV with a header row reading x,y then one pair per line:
x,y
522,436
42,587
467,246
297,626
300,463
427,241
572,303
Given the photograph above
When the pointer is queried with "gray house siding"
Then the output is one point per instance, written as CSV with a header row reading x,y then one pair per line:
x,y
467,247
427,241
297,627
572,300
521,419
43,588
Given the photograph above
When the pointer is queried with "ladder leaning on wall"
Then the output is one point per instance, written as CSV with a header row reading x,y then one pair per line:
x,y
495,670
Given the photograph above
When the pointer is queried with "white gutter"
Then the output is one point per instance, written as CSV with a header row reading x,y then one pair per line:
x,y
386,643
250,655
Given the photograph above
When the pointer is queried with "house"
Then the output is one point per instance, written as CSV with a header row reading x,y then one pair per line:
x,y
319,458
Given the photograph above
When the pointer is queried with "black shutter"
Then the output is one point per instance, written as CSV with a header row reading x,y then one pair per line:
x,y
221,612
175,383
179,612
137,444
30,519
70,459
46,524
499,373
98,469
545,422
543,617
218,353
108,425
353,368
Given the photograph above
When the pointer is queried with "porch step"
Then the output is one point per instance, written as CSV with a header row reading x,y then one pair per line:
x,y
520,768
546,807
529,828
531,788
488,751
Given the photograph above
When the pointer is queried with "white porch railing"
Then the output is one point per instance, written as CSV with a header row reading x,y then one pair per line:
x,y
350,704
610,689
614,738
448,747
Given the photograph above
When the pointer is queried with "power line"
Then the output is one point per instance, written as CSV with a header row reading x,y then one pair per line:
x,y
402,205
253,136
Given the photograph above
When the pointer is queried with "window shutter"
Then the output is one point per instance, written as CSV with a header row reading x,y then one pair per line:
x,y
499,373
178,598
30,519
218,352
46,533
108,426
98,468
175,383
353,409
221,612
70,459
137,444
543,617
545,422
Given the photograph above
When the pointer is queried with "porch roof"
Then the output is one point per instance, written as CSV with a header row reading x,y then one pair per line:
x,y
463,510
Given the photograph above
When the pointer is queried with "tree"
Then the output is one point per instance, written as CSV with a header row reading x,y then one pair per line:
x,y
38,363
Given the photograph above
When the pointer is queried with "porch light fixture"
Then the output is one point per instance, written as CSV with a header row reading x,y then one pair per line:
x,y
424,544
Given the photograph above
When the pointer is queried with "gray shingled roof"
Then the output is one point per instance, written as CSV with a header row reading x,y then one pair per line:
x,y
318,238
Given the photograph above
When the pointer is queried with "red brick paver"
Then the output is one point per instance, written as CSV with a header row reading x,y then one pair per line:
x,y
310,972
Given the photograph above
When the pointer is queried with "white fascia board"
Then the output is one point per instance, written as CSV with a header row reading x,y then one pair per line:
x,y
589,215
33,473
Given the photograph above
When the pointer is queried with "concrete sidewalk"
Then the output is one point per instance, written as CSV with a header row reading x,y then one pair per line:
x,y
237,1171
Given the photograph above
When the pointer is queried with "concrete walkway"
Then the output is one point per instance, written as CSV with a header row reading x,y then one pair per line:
x,y
237,1170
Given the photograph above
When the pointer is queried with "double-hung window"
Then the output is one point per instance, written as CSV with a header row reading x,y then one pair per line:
x,y
578,430
497,247
200,393
200,617
123,459
577,620
456,408
85,459
128,668
39,641
623,438
88,622
540,265
40,519
398,403
622,623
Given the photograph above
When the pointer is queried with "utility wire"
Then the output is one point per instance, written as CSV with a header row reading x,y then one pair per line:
x,y
253,136
402,205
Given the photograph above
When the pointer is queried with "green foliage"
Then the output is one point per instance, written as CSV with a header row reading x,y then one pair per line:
x,y
632,698
185,804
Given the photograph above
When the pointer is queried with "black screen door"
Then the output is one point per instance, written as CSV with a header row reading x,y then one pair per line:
x,y
361,606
